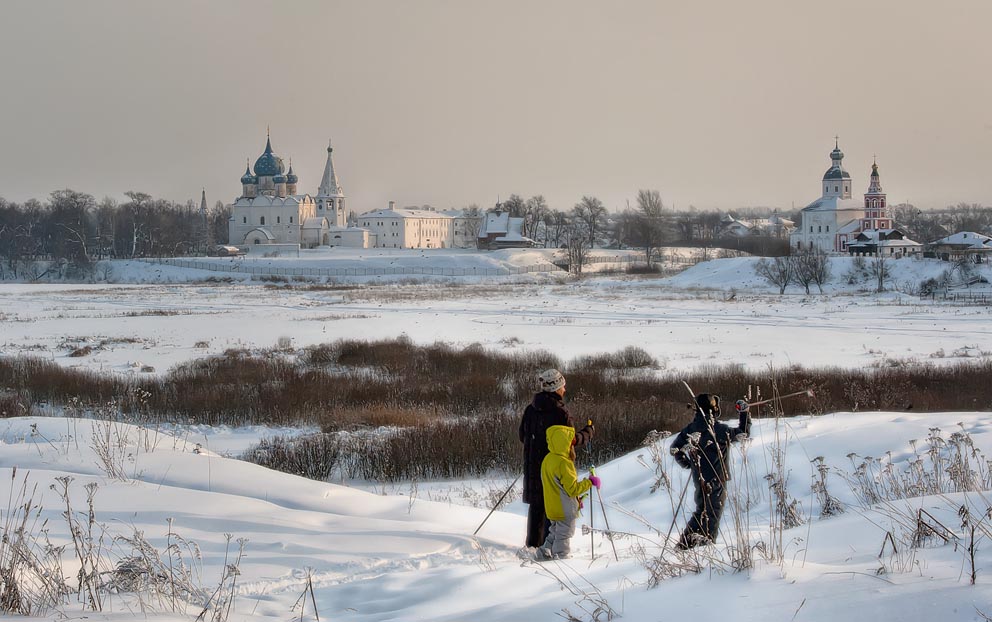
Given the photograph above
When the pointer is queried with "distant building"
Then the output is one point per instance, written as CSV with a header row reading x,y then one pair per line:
x,y
271,211
774,226
889,242
350,237
961,245
835,222
201,231
823,220
330,196
465,226
408,227
731,227
500,230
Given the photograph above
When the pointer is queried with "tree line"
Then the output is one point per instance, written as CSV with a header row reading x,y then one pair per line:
x,y
74,231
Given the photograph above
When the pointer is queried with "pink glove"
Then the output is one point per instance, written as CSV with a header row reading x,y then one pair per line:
x,y
595,481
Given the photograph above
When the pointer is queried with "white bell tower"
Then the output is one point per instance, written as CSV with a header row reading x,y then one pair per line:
x,y
330,196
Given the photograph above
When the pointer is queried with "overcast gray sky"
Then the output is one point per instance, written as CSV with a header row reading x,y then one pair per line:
x,y
716,104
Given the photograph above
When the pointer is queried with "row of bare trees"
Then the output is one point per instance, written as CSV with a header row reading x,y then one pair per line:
x,y
589,224
805,269
74,228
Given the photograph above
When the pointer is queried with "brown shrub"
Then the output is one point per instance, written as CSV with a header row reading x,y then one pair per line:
x,y
453,411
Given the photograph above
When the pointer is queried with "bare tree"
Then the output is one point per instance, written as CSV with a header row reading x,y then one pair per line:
x,y
556,223
71,225
220,217
820,267
778,271
578,248
473,221
879,269
811,266
622,228
649,230
535,210
515,205
591,212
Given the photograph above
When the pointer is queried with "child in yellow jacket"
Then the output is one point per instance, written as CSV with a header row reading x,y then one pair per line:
x,y
562,490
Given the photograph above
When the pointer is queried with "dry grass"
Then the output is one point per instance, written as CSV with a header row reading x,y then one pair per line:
x,y
441,402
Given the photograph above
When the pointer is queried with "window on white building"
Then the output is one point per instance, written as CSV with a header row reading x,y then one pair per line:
x,y
290,220
244,220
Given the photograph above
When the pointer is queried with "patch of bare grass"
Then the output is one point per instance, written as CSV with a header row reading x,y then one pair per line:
x,y
157,313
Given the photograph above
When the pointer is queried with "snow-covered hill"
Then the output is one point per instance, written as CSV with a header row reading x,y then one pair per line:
x,y
845,277
375,557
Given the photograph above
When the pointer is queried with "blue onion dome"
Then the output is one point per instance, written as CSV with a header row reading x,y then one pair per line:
x,y
248,178
291,177
836,172
279,179
269,164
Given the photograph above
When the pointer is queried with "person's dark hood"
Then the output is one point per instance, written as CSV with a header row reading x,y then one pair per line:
x,y
707,409
545,401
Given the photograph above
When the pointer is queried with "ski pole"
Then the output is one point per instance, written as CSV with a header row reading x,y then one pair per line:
x,y
675,516
496,506
602,506
807,393
592,544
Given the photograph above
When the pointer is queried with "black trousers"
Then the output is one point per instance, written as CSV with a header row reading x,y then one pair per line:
x,y
537,524
705,522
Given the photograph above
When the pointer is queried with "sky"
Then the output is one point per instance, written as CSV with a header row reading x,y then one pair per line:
x,y
718,104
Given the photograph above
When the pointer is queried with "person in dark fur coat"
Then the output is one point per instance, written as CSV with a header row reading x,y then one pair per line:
x,y
546,410
703,447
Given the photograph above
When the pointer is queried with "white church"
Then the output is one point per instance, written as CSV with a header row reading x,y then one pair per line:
x,y
270,211
837,223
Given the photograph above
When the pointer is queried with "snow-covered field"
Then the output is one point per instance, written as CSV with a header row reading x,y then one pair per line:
x,y
394,554
375,557
714,313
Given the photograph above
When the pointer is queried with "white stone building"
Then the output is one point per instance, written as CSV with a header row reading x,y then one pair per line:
x,y
350,237
271,211
834,213
836,223
408,227
464,227
330,196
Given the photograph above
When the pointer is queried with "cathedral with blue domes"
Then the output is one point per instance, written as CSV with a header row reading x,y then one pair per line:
x,y
270,209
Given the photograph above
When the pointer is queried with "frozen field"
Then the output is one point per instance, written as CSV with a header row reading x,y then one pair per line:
x,y
715,313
